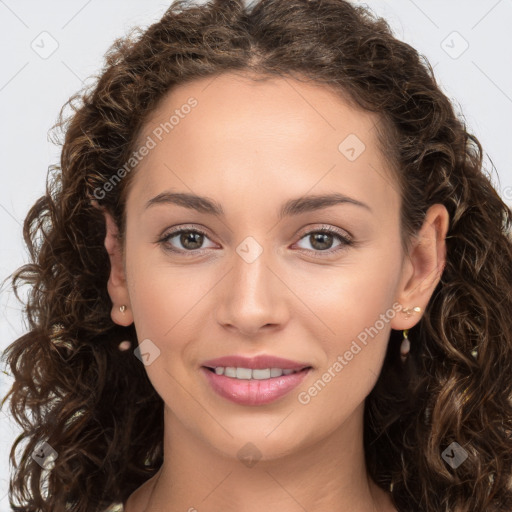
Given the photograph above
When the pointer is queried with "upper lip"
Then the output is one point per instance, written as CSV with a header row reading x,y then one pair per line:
x,y
257,362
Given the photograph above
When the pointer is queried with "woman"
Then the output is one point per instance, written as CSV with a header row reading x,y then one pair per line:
x,y
271,276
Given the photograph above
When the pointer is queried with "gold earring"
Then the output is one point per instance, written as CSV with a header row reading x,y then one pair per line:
x,y
122,308
406,344
409,312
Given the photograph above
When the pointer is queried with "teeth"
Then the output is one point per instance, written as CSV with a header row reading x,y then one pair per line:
x,y
230,371
243,373
276,372
249,374
262,374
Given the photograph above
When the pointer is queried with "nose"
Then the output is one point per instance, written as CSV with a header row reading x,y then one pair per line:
x,y
252,297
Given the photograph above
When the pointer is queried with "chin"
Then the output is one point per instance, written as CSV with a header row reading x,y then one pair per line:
x,y
263,445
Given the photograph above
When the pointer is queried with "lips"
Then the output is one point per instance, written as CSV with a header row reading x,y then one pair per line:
x,y
256,380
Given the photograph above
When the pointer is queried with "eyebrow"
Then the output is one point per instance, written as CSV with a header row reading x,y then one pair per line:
x,y
291,207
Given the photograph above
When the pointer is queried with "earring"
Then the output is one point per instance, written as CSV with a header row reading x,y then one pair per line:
x,y
406,344
122,308
124,345
409,312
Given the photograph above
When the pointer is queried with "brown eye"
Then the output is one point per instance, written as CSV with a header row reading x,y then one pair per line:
x,y
188,240
191,240
321,241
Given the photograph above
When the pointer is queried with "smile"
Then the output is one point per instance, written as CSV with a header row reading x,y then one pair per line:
x,y
246,386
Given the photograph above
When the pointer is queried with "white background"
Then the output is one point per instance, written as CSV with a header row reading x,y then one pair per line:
x,y
33,89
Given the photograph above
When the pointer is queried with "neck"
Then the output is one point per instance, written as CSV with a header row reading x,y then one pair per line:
x,y
329,474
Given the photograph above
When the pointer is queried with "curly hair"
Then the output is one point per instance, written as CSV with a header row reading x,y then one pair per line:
x,y
95,405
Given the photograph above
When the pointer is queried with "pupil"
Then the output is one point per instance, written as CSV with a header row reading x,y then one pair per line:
x,y
320,238
189,237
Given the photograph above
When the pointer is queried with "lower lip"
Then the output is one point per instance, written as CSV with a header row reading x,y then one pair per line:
x,y
253,391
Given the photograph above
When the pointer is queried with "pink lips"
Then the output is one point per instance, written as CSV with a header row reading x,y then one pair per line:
x,y
254,392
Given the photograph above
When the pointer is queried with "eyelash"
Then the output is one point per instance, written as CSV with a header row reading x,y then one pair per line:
x,y
346,241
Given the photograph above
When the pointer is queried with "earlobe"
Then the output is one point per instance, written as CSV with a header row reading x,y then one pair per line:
x,y
121,313
423,266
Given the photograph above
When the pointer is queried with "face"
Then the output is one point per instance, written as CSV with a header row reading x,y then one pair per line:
x,y
270,273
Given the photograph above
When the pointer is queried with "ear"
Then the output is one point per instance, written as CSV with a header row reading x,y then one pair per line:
x,y
423,266
117,288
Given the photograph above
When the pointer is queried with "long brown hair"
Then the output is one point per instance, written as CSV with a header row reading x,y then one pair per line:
x,y
95,406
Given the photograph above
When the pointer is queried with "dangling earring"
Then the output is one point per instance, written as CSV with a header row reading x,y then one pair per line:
x,y
122,308
406,344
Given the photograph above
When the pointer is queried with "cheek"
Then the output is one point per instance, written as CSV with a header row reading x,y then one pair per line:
x,y
353,355
355,306
352,296
159,294
170,305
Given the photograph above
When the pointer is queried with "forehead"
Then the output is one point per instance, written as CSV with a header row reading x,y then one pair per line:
x,y
279,131
271,106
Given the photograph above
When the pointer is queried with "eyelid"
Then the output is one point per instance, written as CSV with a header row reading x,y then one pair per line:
x,y
330,229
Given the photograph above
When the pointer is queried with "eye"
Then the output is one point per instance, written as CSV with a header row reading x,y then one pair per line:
x,y
190,239
322,239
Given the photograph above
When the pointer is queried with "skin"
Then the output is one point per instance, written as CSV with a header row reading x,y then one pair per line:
x,y
251,146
